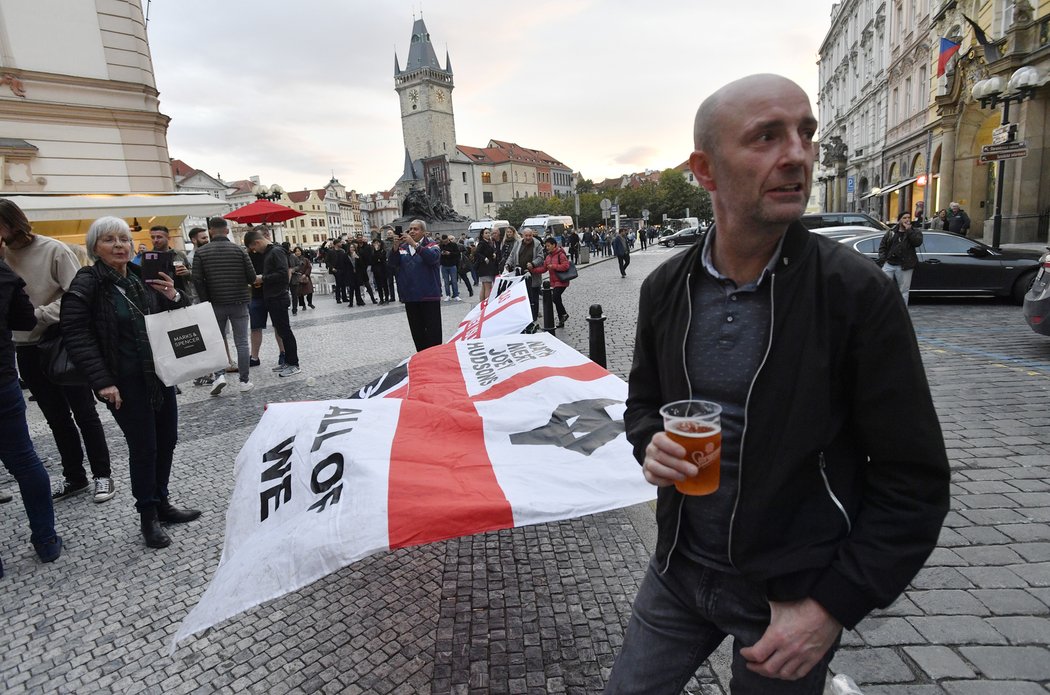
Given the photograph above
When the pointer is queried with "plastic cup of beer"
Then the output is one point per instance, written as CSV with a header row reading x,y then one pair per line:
x,y
697,426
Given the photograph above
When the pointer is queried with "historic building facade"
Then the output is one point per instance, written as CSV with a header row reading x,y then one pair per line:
x,y
926,152
81,115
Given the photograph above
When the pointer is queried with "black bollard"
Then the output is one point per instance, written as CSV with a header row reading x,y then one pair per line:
x,y
596,323
548,307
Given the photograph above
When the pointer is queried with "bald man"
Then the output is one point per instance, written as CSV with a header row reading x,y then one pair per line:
x,y
834,477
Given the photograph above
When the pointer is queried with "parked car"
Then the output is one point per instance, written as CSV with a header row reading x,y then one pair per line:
x,y
817,220
954,266
683,237
1037,300
843,232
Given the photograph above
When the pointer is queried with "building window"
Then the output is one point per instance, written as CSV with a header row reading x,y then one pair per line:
x,y
504,177
317,237
487,196
486,177
464,177
466,199
907,97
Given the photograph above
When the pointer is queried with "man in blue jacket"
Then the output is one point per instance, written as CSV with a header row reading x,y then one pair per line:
x,y
416,260
834,476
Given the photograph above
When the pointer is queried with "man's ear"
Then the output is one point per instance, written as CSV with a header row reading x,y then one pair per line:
x,y
700,165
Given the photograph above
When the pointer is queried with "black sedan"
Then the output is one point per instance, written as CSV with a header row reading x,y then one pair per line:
x,y
1037,300
682,237
954,266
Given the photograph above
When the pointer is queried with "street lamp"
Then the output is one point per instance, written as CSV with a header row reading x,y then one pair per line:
x,y
990,93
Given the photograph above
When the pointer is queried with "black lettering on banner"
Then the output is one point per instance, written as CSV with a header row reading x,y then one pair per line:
x,y
335,416
281,456
332,484
580,426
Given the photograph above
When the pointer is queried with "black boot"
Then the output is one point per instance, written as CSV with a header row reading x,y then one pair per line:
x,y
151,530
561,320
170,515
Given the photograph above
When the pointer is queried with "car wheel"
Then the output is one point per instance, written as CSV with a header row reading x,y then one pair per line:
x,y
674,243
1021,287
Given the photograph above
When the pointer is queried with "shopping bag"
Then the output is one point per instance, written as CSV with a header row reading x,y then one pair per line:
x,y
186,343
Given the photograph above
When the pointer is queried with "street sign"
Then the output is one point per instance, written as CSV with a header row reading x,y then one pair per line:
x,y
849,184
1004,133
614,209
998,156
645,215
1005,147
605,204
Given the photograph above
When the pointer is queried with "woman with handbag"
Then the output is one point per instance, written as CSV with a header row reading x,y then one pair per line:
x,y
555,261
16,448
485,258
103,325
302,284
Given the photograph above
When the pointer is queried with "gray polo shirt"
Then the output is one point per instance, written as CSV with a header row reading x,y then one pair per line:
x,y
727,341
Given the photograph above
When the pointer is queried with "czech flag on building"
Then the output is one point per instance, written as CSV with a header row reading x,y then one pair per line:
x,y
470,436
948,49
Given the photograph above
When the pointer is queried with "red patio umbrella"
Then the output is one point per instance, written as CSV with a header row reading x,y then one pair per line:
x,y
261,212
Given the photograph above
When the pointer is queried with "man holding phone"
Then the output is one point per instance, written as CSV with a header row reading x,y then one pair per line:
x,y
416,260
180,264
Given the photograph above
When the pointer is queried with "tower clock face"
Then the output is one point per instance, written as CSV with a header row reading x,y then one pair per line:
x,y
413,96
441,95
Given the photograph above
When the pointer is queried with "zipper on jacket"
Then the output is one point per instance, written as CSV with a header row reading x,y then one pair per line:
x,y
834,499
747,409
685,370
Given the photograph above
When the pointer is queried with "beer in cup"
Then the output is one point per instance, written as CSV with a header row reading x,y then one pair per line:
x,y
697,426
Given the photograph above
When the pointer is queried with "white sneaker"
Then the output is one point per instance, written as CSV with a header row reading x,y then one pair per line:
x,y
219,385
458,299
445,299
246,386
104,489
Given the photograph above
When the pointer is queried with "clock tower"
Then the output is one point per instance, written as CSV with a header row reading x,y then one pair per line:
x,y
424,89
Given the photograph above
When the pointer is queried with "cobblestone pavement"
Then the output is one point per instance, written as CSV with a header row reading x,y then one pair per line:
x,y
531,610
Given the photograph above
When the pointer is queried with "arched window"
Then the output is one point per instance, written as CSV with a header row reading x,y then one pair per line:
x,y
504,177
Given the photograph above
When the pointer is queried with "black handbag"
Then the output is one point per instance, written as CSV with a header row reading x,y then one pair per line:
x,y
54,359
570,274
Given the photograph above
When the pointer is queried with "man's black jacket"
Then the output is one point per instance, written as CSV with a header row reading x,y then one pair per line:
x,y
839,415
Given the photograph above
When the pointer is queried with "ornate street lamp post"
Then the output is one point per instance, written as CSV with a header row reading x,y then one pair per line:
x,y
990,93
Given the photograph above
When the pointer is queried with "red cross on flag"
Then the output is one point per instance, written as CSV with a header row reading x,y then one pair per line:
x,y
485,434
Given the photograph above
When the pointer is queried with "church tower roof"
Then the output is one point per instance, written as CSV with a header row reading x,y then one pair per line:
x,y
421,53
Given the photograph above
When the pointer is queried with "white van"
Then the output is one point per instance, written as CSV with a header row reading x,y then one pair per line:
x,y
476,228
557,226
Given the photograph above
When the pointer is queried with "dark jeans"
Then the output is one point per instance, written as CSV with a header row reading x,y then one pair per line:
x,y
151,436
277,307
466,281
624,261
681,616
424,321
390,284
382,286
557,292
534,298
60,406
340,289
20,459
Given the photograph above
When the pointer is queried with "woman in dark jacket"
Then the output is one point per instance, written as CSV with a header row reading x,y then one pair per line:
x,y
379,271
304,283
16,448
104,329
486,263
555,261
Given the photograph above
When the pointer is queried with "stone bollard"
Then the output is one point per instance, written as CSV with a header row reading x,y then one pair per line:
x,y
596,324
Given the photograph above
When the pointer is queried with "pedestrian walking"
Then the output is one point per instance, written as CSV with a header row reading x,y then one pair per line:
x,y
104,329
274,282
379,272
223,275
958,220
486,262
897,256
16,448
833,477
416,261
622,251
47,266
555,261
450,267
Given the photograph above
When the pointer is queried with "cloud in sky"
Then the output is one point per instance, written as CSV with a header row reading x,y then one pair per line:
x,y
296,91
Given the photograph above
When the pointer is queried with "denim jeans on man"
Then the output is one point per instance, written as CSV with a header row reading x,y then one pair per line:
x,y
151,436
680,617
450,274
901,277
237,316
21,461
61,405
278,310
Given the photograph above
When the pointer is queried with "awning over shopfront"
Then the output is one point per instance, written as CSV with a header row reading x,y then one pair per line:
x,y
68,215
891,188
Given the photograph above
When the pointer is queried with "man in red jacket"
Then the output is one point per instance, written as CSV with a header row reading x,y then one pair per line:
x,y
834,477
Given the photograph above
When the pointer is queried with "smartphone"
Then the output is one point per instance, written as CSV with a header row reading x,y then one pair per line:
x,y
397,230
156,262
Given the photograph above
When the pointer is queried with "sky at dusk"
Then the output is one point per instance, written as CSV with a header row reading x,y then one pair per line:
x,y
297,91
